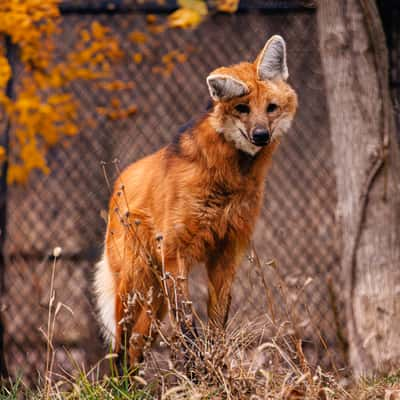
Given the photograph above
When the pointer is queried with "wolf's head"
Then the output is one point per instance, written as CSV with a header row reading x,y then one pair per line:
x,y
253,104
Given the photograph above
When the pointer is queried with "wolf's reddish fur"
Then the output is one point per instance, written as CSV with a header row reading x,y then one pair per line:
x,y
202,194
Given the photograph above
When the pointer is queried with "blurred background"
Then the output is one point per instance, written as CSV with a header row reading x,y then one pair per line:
x,y
153,84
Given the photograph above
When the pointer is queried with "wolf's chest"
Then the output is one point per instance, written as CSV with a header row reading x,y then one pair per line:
x,y
224,211
213,216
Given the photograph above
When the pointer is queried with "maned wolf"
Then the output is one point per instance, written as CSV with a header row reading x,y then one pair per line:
x,y
195,200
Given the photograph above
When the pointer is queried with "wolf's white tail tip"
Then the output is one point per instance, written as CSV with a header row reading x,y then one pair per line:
x,y
105,298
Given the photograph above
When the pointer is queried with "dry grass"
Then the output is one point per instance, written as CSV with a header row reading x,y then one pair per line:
x,y
262,359
241,363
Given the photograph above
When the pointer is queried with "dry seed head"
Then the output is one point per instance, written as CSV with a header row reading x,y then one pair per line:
x,y
132,299
57,252
251,258
307,282
272,264
134,338
150,293
111,355
140,380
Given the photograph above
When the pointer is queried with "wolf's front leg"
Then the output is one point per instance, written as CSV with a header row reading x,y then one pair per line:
x,y
179,304
221,269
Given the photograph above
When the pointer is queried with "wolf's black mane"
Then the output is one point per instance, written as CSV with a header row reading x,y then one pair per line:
x,y
186,129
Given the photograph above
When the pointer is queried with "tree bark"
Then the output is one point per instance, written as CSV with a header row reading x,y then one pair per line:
x,y
367,166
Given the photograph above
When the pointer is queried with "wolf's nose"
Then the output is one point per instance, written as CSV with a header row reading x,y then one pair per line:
x,y
261,136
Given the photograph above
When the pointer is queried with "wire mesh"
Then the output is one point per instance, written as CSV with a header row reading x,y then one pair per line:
x,y
297,227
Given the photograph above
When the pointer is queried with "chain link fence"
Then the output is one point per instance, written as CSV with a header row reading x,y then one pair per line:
x,y
297,227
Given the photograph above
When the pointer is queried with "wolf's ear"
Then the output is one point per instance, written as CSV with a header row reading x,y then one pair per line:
x,y
225,87
271,62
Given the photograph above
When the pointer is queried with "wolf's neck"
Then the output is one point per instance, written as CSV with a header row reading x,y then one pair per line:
x,y
226,161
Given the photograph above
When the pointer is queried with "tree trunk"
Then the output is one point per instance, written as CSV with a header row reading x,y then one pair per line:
x,y
367,166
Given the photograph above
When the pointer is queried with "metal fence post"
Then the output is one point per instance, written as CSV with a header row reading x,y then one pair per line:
x,y
4,141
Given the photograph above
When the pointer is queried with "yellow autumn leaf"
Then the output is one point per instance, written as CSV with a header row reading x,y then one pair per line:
x,y
5,71
228,6
199,6
168,57
184,18
85,35
101,110
3,155
70,129
132,109
116,85
117,113
98,30
181,57
17,174
137,58
151,18
157,29
41,114
115,102
137,37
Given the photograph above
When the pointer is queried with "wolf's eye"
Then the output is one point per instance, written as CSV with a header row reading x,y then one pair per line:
x,y
242,108
272,107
